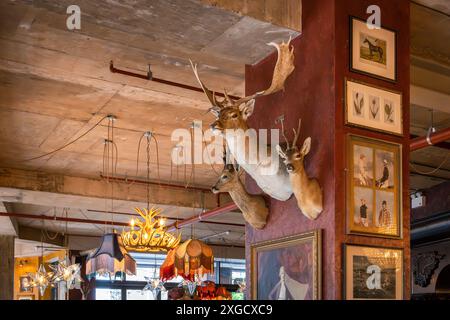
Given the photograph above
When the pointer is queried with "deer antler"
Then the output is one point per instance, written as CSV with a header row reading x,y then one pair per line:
x,y
283,68
297,133
210,94
284,135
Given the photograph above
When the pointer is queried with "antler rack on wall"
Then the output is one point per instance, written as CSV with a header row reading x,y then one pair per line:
x,y
149,76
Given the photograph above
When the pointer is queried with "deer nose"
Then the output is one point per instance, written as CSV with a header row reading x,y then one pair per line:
x,y
290,167
214,190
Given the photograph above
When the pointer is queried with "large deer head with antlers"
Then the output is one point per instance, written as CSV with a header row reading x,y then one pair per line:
x,y
231,113
306,190
231,121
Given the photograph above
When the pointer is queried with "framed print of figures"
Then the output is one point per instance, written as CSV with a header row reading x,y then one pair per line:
x,y
373,273
374,188
287,268
373,52
372,107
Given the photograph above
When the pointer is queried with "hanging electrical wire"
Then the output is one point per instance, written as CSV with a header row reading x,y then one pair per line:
x,y
67,144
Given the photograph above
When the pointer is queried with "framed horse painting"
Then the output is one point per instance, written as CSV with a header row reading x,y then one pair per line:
x,y
373,51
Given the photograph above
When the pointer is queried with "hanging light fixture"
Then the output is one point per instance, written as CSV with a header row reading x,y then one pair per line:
x,y
70,274
150,235
111,257
192,258
41,279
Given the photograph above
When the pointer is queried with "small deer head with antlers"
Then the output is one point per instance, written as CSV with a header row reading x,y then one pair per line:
x,y
306,190
253,207
233,113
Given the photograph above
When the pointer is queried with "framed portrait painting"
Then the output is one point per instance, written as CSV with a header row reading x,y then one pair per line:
x,y
372,107
373,51
373,273
25,284
373,187
287,268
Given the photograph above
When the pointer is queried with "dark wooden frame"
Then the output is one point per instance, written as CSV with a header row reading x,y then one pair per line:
x,y
345,262
347,123
351,18
349,190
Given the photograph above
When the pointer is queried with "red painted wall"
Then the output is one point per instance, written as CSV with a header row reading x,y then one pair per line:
x,y
310,95
315,92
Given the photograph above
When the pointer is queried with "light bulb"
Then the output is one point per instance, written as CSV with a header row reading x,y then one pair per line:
x,y
162,222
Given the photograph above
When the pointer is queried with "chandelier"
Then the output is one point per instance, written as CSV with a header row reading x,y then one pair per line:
x,y
149,235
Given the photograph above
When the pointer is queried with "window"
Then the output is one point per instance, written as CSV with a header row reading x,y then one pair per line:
x,y
108,294
227,272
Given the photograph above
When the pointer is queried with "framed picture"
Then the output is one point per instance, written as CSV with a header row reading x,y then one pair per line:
x,y
373,51
26,297
24,284
374,187
287,268
373,107
373,273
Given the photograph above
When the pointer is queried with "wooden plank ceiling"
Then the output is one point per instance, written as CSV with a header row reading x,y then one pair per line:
x,y
55,84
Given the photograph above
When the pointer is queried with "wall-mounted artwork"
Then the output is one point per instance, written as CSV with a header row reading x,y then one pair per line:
x,y
373,108
374,187
372,51
25,284
373,273
287,268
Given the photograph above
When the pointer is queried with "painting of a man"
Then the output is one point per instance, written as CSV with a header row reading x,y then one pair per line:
x,y
286,274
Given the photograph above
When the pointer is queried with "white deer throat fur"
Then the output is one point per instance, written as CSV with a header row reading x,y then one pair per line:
x,y
277,185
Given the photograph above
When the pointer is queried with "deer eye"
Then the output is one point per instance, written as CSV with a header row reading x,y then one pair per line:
x,y
298,156
224,177
234,115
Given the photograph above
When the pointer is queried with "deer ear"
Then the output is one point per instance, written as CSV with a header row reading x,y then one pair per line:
x,y
280,152
247,109
306,146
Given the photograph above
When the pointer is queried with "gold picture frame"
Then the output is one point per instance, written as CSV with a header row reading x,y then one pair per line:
x,y
373,273
372,107
373,52
302,279
374,187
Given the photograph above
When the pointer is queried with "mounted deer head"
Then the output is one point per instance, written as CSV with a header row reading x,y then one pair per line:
x,y
307,191
253,207
232,114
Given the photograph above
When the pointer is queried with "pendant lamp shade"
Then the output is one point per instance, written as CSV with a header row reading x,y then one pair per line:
x,y
111,258
193,257
167,269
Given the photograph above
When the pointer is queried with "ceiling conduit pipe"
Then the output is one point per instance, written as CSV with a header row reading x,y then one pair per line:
x,y
430,140
149,76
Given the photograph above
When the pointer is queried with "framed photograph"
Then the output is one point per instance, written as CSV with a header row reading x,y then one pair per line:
x,y
287,268
372,107
24,284
374,187
26,297
373,51
373,273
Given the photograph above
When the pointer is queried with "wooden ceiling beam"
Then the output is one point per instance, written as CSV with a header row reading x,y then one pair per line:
x,y
52,190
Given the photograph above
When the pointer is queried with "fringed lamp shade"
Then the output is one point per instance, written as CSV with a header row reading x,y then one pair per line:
x,y
111,258
193,257
167,270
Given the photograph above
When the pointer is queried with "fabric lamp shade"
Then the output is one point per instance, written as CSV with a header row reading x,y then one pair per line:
x,y
193,257
167,270
111,258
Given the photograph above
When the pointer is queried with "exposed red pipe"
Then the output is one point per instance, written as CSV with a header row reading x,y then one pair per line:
x,y
168,185
149,76
77,220
209,214
174,226
434,138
